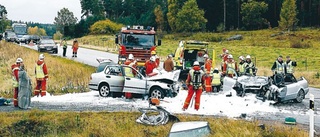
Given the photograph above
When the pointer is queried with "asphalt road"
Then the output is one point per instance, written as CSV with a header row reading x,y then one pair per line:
x,y
88,56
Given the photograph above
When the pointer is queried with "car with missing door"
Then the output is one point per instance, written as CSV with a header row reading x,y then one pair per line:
x,y
117,79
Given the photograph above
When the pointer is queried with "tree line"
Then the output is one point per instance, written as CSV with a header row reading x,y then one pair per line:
x,y
192,15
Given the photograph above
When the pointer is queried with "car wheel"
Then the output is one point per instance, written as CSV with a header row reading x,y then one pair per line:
x,y
104,90
300,96
156,92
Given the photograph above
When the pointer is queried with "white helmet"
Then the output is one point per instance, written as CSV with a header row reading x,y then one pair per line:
x,y
196,63
205,55
130,56
230,56
227,51
248,57
41,56
241,58
19,60
153,58
216,69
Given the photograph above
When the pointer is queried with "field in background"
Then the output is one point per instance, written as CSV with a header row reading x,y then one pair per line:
x,y
121,124
65,76
264,46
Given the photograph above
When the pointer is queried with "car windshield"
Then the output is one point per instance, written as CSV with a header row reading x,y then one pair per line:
x,y
11,34
197,132
138,40
47,41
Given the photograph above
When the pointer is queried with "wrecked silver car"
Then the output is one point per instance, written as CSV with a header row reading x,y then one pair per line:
x,y
279,87
119,79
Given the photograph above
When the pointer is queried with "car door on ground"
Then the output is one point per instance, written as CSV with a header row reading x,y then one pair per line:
x,y
134,81
114,77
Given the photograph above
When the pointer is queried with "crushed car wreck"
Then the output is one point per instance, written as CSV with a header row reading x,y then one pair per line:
x,y
277,88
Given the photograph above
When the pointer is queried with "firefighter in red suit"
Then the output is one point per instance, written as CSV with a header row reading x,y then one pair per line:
x,y
195,81
15,71
41,72
150,65
207,70
230,67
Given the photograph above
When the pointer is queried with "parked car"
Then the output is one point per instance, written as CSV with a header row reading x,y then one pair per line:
x,y
47,45
190,129
10,36
33,38
24,38
118,79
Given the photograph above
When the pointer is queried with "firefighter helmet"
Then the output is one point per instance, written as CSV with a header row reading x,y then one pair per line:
x,y
205,56
230,56
41,56
196,63
153,58
131,56
19,60
248,57
153,52
241,58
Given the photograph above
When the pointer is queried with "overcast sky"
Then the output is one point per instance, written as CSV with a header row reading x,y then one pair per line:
x,y
41,11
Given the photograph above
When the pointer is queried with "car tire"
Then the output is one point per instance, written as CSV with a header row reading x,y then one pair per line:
x,y
300,96
156,92
104,90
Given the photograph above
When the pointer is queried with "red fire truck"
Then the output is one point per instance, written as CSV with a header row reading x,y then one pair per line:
x,y
136,41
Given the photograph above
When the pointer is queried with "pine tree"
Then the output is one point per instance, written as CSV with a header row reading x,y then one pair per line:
x,y
288,15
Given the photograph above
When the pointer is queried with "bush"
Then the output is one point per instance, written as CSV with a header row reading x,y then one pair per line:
x,y
105,27
57,35
300,44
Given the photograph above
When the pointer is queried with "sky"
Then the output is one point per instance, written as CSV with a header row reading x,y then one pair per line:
x,y
40,11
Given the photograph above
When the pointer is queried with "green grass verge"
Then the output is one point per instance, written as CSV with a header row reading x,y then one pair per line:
x,y
122,124
65,76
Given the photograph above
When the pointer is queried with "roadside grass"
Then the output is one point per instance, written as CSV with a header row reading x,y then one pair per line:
x,y
264,46
65,76
122,124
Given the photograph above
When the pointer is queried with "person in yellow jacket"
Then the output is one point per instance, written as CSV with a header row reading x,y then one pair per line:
x,y
41,72
216,80
242,66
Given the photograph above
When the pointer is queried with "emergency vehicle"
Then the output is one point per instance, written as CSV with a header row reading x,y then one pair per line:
x,y
137,41
188,52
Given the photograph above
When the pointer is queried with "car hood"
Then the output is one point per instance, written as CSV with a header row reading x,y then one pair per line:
x,y
47,45
165,77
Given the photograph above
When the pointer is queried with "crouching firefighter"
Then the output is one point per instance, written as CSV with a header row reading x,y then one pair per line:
x,y
194,82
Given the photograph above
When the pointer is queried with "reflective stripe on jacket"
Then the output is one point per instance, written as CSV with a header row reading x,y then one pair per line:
x,y
216,79
289,67
194,81
280,67
128,72
242,67
39,71
230,65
